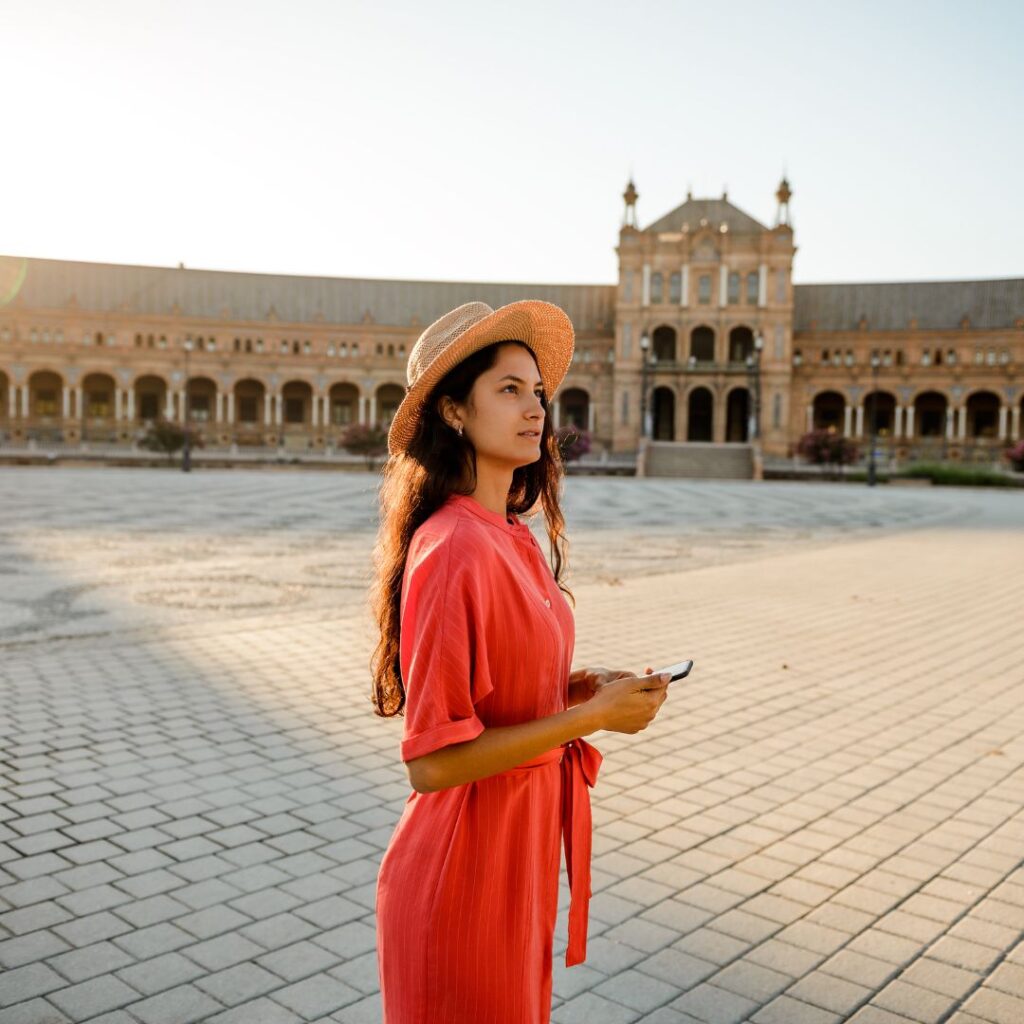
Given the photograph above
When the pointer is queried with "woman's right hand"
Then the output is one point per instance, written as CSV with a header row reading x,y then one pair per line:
x,y
628,704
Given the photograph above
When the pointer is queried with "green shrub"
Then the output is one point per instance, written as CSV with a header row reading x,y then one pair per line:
x,y
961,476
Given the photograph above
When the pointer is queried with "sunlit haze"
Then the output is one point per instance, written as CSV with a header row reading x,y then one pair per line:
x,y
492,141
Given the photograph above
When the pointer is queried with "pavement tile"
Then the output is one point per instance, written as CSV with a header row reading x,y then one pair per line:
x,y
180,818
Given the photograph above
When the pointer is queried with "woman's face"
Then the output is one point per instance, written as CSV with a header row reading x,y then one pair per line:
x,y
503,417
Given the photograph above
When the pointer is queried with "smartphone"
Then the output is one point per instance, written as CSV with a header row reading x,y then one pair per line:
x,y
677,671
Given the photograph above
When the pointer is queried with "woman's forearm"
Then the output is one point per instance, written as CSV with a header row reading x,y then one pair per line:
x,y
498,748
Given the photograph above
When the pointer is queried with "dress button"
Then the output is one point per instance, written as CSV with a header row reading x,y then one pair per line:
x,y
547,601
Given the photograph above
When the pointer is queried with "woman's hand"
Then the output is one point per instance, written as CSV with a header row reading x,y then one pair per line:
x,y
585,682
628,703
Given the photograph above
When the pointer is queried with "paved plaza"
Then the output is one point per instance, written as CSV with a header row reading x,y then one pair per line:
x,y
825,824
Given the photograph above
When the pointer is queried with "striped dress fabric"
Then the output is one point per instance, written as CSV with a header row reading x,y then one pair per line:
x,y
467,891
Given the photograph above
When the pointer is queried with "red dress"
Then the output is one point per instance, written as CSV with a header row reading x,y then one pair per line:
x,y
467,892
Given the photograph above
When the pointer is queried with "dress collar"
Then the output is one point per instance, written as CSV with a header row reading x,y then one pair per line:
x,y
517,527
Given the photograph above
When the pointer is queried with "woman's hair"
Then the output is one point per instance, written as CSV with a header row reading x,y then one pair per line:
x,y
418,481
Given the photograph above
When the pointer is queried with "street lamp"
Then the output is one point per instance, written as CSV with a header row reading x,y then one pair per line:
x,y
645,426
754,379
874,402
186,459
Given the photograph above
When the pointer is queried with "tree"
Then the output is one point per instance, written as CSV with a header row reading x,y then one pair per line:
x,y
827,448
572,442
167,437
369,442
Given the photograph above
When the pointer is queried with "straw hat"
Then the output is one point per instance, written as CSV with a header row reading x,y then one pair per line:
x,y
542,326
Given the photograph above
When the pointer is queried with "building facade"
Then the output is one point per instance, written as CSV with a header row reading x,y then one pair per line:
x,y
704,338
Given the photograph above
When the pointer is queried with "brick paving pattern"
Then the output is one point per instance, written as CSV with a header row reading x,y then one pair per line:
x,y
825,824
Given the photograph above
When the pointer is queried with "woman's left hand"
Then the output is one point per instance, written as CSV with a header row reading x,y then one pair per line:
x,y
585,682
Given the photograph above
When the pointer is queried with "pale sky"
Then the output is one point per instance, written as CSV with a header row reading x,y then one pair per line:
x,y
487,141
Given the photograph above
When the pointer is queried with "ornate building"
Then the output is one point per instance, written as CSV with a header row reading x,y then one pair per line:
x,y
704,341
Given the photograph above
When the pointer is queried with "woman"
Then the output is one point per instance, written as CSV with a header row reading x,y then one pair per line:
x,y
476,642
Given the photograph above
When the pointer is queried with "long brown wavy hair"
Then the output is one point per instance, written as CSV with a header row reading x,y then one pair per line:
x,y
418,481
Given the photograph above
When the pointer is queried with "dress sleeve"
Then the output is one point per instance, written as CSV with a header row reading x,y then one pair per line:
x,y
442,649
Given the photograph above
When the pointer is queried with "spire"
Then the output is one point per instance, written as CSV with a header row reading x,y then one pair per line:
x,y
630,196
782,195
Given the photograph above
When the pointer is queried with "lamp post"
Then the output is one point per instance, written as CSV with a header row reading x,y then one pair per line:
x,y
871,416
186,453
645,426
754,379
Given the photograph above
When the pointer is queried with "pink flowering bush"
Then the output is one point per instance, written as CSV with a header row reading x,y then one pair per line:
x,y
826,448
572,442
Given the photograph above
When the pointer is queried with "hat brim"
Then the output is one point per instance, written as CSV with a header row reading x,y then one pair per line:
x,y
542,326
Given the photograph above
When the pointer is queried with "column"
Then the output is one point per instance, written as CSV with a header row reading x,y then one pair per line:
x,y
1015,423
182,397
949,423
847,418
963,422
78,402
266,409
645,295
558,411
26,408
723,282
720,412
762,285
910,422
362,410
130,415
118,404
810,418
315,421
860,421
231,407
65,409
684,293
279,409
12,401
1002,423
218,402
590,416
169,405
373,410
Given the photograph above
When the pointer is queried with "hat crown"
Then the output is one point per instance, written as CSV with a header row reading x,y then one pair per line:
x,y
442,333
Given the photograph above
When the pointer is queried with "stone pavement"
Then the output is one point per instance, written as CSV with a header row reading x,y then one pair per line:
x,y
826,822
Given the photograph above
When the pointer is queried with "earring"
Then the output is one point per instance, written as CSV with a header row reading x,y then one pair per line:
x,y
459,428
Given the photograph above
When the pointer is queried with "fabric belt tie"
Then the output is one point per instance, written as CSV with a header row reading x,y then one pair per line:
x,y
580,761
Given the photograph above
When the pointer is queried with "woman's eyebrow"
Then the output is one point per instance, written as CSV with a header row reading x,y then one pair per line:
x,y
518,380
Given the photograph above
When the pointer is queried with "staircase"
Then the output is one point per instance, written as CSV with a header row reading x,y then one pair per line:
x,y
700,460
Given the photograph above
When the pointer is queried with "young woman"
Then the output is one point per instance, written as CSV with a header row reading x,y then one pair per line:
x,y
476,643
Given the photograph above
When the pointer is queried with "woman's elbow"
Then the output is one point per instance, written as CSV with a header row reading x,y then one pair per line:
x,y
420,775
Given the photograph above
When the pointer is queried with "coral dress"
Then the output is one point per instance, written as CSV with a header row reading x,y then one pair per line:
x,y
467,892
